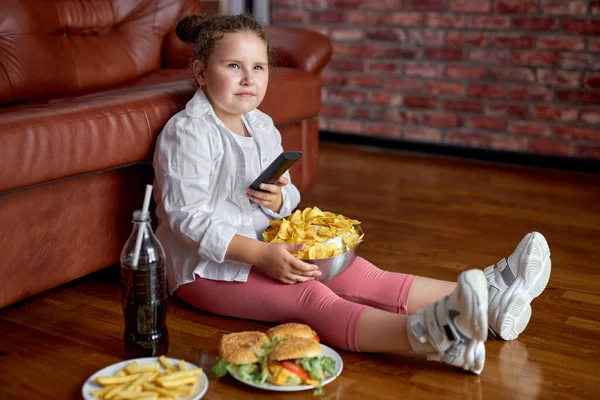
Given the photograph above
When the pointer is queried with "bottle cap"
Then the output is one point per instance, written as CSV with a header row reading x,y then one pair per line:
x,y
142,216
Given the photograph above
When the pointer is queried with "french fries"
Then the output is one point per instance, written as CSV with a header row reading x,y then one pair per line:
x,y
149,382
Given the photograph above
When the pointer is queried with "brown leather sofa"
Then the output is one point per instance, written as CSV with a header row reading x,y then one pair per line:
x,y
85,88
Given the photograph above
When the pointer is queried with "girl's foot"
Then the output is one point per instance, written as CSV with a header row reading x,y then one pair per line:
x,y
514,282
453,329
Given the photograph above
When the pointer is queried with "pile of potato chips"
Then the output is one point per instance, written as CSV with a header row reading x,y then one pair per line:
x,y
317,230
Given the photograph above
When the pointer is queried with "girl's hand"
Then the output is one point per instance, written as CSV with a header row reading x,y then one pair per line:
x,y
271,198
280,264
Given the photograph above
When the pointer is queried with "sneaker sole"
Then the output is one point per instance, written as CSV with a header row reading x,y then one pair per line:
x,y
475,288
531,283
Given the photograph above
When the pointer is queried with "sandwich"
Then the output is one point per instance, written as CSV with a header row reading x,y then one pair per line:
x,y
292,329
296,360
243,354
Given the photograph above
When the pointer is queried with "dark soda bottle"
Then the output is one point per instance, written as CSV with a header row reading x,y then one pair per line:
x,y
144,278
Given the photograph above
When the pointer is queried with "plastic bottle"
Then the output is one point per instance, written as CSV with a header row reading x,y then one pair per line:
x,y
144,291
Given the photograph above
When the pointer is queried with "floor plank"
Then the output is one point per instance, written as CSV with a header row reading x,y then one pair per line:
x,y
425,215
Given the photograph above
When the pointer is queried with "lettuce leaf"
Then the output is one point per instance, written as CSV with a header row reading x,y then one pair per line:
x,y
220,368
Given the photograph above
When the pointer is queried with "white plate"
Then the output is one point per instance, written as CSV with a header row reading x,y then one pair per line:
x,y
327,351
90,384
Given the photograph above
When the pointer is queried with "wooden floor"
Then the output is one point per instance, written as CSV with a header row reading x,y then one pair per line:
x,y
423,215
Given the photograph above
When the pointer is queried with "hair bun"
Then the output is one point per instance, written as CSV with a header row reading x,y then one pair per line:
x,y
188,27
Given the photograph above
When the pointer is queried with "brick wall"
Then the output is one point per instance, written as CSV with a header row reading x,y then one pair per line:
x,y
519,75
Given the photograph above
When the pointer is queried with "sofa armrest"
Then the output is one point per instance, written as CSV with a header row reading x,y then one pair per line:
x,y
299,48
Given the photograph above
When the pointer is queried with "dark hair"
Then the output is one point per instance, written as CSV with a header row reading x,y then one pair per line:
x,y
206,32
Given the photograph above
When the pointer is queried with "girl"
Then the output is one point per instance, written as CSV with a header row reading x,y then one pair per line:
x,y
210,221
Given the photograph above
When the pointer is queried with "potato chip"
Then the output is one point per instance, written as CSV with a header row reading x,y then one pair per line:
x,y
324,234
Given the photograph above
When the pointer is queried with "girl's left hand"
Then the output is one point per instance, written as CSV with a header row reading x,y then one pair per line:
x,y
271,197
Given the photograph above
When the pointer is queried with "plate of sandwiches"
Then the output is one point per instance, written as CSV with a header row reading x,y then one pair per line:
x,y
285,358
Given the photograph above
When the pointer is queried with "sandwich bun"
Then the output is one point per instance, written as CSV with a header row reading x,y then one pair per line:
x,y
291,329
236,348
293,347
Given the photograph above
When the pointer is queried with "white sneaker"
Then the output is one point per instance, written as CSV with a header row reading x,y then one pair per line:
x,y
455,327
514,282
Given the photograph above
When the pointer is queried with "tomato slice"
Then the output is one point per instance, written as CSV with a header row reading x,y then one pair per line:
x,y
317,338
296,369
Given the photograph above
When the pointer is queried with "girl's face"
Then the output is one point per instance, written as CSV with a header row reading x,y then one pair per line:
x,y
236,76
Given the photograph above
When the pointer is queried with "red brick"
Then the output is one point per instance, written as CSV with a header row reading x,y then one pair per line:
x,y
287,16
442,87
555,113
313,3
509,143
381,66
403,116
339,48
332,79
588,151
590,115
344,126
382,129
328,17
595,7
466,139
556,77
514,40
564,7
594,45
422,134
284,3
442,120
354,96
388,34
489,22
365,81
591,81
345,65
535,24
578,133
386,98
405,18
401,52
470,6
506,110
426,36
561,43
332,110
515,6
582,26
463,106
346,3
402,83
526,128
362,113
494,91
365,50
461,38
531,93
513,74
490,124
413,101
548,146
347,34
433,20
534,58
461,72
490,56
366,18
578,96
323,124
425,5
579,61
423,70
383,4
453,54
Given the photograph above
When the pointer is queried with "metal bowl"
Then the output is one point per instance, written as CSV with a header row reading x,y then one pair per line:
x,y
333,266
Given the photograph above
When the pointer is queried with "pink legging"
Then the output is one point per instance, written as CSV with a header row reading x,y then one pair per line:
x,y
331,308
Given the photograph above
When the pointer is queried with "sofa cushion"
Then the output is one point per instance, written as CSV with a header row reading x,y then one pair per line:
x,y
45,141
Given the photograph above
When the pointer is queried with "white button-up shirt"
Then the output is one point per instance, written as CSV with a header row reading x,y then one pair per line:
x,y
200,191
